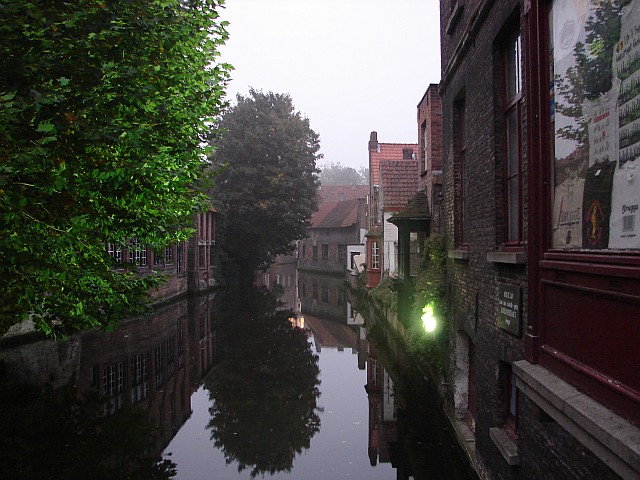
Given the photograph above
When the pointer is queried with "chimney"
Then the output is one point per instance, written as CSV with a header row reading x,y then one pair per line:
x,y
373,141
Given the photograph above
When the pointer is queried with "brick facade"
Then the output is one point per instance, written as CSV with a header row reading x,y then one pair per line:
x,y
489,362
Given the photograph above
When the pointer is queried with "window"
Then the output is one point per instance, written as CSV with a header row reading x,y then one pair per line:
x,y
424,139
113,386
179,257
512,121
115,251
315,291
139,377
168,255
325,251
315,253
159,365
202,256
342,252
137,252
375,255
511,402
461,180
325,294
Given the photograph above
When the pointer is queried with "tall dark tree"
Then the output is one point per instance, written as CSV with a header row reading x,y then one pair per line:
x,y
334,173
104,108
268,191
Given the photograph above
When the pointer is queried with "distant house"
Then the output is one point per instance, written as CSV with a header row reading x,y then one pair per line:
x,y
399,183
378,153
340,193
334,227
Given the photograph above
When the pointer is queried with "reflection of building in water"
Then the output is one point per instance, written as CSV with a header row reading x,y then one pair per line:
x,y
280,278
323,295
153,363
330,334
383,424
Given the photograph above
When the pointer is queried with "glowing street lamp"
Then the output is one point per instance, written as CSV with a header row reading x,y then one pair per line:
x,y
428,320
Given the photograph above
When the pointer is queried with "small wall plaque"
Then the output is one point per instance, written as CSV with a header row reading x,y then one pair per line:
x,y
509,308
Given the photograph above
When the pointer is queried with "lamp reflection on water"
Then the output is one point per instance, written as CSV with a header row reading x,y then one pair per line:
x,y
297,321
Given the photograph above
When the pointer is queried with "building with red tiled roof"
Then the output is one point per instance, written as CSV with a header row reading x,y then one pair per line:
x,y
340,193
381,153
399,183
387,151
334,227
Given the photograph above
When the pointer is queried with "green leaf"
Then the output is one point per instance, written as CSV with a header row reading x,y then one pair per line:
x,y
45,127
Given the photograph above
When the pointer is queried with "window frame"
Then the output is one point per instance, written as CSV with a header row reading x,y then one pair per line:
x,y
375,255
513,104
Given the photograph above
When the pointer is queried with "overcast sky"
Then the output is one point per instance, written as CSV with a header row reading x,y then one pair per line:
x,y
350,66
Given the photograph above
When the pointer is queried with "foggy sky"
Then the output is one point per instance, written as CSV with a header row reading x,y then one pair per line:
x,y
350,66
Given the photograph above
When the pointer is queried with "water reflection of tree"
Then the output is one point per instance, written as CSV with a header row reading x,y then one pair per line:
x,y
58,435
265,389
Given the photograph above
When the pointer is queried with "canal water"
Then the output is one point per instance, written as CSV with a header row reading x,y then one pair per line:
x,y
224,386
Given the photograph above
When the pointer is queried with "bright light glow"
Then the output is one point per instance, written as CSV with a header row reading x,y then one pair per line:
x,y
428,320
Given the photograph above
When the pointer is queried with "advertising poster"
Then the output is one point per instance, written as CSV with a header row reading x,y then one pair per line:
x,y
596,90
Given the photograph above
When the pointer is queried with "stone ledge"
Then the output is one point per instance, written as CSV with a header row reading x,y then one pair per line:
x,y
458,254
610,437
512,258
507,447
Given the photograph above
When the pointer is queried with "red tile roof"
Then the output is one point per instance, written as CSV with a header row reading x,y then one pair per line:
x,y
388,151
334,193
399,182
336,214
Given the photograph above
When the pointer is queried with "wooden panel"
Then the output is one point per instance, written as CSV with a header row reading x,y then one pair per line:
x,y
591,332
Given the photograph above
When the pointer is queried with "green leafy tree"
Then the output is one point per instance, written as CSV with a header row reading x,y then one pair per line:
x,y
268,190
335,173
104,108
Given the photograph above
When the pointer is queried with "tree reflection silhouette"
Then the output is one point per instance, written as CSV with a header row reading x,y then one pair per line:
x,y
264,391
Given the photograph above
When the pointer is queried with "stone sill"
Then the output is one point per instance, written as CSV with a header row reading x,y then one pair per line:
x,y
512,258
459,254
610,437
507,447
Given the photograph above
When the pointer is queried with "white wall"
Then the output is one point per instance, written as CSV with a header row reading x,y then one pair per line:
x,y
390,240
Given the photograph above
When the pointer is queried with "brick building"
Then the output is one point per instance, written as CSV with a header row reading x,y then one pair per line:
x,y
334,227
540,207
187,266
430,151
378,153
398,184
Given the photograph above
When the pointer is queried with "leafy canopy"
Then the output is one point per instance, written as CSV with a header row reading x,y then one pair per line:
x,y
334,173
268,191
104,108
